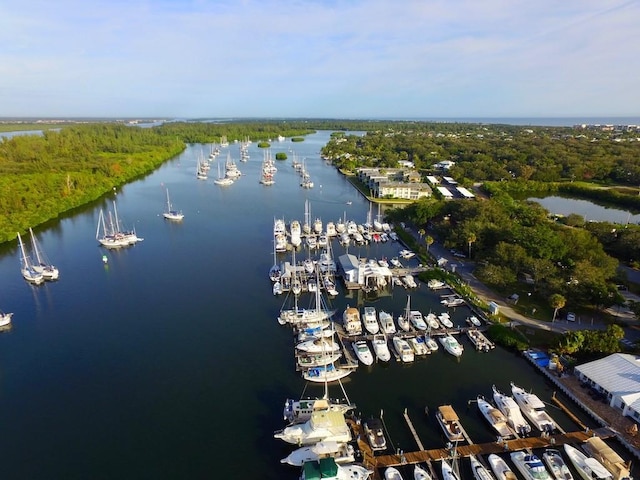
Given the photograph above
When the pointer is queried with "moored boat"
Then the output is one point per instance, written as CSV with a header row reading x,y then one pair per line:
x,y
603,453
374,431
300,410
370,320
447,471
341,452
403,349
480,472
170,213
392,473
588,467
418,346
26,266
558,468
381,348
326,373
533,408
386,322
495,418
351,321
363,352
530,466
500,468
509,408
5,318
327,469
451,345
450,423
324,425
41,264
420,473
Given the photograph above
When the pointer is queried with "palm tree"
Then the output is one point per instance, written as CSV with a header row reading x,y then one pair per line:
x,y
556,301
421,232
429,241
471,238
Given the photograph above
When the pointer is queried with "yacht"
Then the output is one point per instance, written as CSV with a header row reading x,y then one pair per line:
x,y
435,284
533,408
432,321
386,322
431,343
296,233
450,423
474,321
327,469
299,411
403,349
511,411
451,345
374,431
420,473
341,452
351,321
603,453
445,320
395,262
381,348
447,472
480,472
530,466
363,352
369,318
418,346
495,418
310,360
324,425
417,320
392,473
554,461
588,467
318,345
500,468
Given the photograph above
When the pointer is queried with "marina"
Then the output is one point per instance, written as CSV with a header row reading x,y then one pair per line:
x,y
141,352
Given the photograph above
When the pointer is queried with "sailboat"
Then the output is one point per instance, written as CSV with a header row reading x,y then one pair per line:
x,y
26,266
170,213
201,171
41,265
222,180
5,318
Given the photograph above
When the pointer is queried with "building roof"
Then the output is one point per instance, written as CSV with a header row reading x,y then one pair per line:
x,y
618,374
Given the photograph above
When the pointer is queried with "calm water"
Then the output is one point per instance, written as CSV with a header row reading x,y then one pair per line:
x,y
169,363
589,210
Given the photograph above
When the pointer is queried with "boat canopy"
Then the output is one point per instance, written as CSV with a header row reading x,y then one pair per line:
x,y
448,414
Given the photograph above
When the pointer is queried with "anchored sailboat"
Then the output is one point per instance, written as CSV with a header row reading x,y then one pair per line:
x,y
26,266
42,265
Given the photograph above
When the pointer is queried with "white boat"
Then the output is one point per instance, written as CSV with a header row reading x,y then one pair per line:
x,y
417,320
331,229
533,408
479,340
381,348
392,473
363,352
509,408
370,320
318,345
445,320
201,171
530,466
420,473
556,464
432,321
386,322
296,233
451,345
339,451
418,346
231,169
170,213
374,432
223,180
403,349
480,472
588,467
430,343
409,281
383,263
41,264
447,471
299,411
452,302
312,360
495,418
406,254
351,321
603,453
325,374
277,288
474,321
450,423
395,262
324,425
404,323
328,469
500,468
5,318
26,266
435,284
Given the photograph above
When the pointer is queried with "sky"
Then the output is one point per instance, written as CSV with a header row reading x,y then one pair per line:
x,y
319,58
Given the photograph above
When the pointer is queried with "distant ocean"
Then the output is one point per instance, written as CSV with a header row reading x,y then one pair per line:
x,y
533,121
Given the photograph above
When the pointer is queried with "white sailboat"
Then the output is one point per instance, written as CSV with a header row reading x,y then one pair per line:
x,y
222,180
26,266
5,318
42,265
170,213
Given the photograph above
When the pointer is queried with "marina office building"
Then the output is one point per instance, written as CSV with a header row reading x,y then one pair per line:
x,y
617,377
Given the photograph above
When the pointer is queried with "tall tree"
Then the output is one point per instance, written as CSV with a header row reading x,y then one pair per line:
x,y
556,301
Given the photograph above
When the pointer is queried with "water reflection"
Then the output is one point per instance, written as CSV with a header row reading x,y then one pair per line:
x,y
587,209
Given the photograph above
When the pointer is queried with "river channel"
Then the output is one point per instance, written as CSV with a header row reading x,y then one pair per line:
x,y
168,362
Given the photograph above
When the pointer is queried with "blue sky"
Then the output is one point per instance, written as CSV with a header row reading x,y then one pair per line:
x,y
316,58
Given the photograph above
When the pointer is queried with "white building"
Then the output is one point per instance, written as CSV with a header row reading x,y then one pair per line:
x,y
617,377
445,192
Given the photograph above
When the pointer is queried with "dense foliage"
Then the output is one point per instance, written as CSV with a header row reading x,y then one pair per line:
x,y
586,343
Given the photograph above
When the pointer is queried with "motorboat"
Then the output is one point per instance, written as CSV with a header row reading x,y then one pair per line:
x,y
558,468
406,254
351,321
479,340
370,320
300,410
530,466
327,469
500,468
409,281
5,318
363,352
326,373
330,287
533,408
603,453
452,301
495,418
417,320
508,406
309,360
392,473
480,472
588,467
404,323
304,316
474,321
277,288
395,262
341,452
432,321
324,425
296,233
318,345
435,284
447,471
381,348
431,343
418,346
450,423
451,345
445,320
374,430
420,473
383,263
403,349
386,322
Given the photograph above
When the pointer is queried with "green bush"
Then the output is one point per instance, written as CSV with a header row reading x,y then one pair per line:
x,y
281,156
